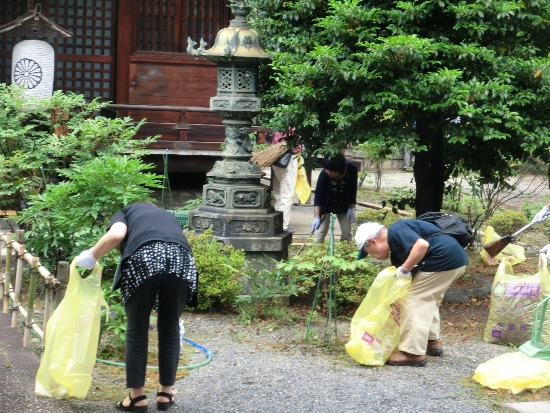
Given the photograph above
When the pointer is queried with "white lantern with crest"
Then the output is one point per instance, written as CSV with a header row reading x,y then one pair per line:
x,y
33,66
33,59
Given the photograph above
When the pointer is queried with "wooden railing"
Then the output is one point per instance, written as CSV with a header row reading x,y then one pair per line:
x,y
13,264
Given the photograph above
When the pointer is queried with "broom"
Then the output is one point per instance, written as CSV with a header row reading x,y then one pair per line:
x,y
494,248
310,235
303,246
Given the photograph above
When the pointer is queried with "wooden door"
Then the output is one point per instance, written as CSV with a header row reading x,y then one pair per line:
x,y
159,81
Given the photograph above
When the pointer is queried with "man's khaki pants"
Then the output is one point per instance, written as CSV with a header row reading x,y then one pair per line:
x,y
420,309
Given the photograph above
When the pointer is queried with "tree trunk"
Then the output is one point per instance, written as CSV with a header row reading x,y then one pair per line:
x,y
429,168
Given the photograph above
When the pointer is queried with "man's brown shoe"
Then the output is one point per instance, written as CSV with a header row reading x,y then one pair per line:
x,y
435,348
401,358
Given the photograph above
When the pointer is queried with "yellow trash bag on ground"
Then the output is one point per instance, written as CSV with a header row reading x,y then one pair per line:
x,y
303,189
514,371
516,253
374,331
514,298
72,335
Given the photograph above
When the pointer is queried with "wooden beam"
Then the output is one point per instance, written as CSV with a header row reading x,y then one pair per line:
x,y
124,50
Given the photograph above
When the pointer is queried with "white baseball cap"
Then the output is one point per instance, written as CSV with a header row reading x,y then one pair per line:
x,y
364,232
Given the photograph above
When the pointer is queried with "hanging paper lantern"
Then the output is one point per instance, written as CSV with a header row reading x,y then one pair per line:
x,y
33,64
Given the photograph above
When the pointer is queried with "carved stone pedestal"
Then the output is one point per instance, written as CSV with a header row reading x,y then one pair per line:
x,y
259,234
237,206
241,215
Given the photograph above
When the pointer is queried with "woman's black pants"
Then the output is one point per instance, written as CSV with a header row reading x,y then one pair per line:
x,y
172,293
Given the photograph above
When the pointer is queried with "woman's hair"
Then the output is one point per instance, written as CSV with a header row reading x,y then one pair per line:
x,y
335,163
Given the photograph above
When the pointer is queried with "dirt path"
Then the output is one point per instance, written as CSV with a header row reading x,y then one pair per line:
x,y
530,189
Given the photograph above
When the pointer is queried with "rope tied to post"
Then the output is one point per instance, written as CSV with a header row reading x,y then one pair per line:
x,y
29,326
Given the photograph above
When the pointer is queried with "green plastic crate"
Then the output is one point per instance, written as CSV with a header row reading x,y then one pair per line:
x,y
181,216
535,347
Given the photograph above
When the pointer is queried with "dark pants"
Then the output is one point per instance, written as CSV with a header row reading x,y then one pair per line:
x,y
172,297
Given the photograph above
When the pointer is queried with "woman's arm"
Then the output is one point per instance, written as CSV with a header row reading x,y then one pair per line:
x,y
110,240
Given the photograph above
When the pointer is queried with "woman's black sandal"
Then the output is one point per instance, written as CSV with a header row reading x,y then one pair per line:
x,y
131,407
165,405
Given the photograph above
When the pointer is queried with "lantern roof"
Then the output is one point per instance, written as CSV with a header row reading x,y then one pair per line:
x,y
238,42
34,24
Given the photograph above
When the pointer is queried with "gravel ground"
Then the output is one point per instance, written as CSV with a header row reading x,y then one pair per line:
x,y
256,374
269,369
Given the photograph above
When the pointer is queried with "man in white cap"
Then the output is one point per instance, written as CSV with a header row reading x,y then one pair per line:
x,y
434,260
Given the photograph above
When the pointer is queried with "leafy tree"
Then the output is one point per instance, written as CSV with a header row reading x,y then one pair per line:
x,y
466,81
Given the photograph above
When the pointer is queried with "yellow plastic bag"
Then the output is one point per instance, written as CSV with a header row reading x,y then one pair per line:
x,y
516,253
374,331
514,371
513,301
303,190
72,335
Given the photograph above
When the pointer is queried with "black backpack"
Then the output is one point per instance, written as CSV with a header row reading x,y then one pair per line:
x,y
452,225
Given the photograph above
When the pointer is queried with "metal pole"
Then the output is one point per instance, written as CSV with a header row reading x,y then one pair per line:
x,y
331,300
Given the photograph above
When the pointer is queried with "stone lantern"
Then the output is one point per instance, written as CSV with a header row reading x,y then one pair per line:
x,y
235,204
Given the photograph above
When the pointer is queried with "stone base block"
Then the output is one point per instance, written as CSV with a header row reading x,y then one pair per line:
x,y
224,224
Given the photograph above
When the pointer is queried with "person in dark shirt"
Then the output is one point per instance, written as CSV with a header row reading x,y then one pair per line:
x,y
436,260
156,260
335,192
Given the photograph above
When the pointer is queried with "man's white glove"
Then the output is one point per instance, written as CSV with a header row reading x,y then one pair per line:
x,y
546,249
403,273
541,215
316,224
86,260
351,214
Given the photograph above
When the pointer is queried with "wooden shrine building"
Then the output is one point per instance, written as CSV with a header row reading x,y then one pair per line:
x,y
132,53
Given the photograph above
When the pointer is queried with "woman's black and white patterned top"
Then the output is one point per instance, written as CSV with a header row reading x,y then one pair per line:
x,y
169,250
154,258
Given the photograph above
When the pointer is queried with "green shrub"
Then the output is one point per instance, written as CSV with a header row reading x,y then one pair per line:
x,y
269,290
383,216
507,221
38,141
113,330
353,277
72,215
220,268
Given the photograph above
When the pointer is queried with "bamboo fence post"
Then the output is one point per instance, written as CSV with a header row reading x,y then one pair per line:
x,y
48,302
18,277
3,280
30,302
7,276
63,277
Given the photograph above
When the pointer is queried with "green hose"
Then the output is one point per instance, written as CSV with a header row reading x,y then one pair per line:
x,y
191,367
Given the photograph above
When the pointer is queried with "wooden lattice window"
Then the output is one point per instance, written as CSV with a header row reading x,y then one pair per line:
x,y
165,25
85,62
9,11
